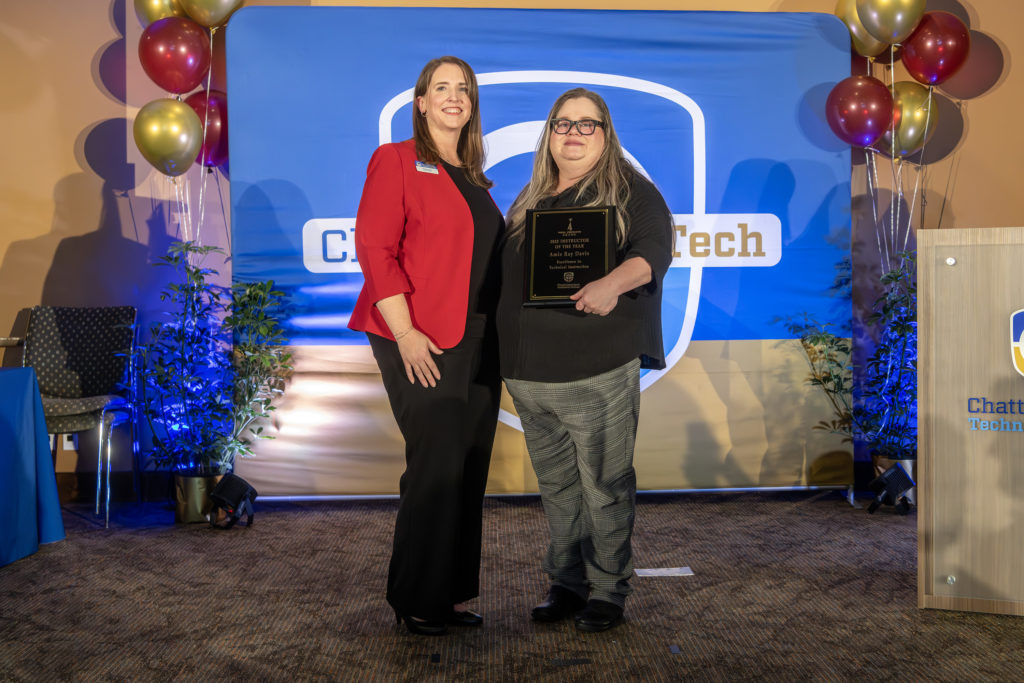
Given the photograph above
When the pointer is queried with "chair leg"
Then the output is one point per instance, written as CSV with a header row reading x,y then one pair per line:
x,y
110,432
99,465
136,469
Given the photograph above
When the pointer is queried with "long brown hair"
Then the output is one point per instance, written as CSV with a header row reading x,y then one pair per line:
x,y
610,176
471,141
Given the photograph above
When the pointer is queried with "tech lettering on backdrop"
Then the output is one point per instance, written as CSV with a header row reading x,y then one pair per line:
x,y
715,240
723,111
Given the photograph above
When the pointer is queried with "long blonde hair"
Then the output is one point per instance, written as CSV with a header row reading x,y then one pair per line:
x,y
609,178
471,141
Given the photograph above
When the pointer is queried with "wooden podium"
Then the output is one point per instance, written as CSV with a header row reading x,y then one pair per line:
x,y
970,486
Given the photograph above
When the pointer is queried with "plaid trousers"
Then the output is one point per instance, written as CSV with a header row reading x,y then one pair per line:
x,y
581,436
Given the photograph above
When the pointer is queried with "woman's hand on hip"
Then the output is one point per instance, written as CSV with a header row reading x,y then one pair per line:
x,y
418,353
598,297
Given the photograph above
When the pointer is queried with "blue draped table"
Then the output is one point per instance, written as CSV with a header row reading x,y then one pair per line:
x,y
29,506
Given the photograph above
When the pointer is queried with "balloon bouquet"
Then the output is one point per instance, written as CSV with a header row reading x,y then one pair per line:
x,y
898,117
177,50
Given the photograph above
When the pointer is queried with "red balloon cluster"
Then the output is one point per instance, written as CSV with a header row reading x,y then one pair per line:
x,y
937,48
859,110
176,54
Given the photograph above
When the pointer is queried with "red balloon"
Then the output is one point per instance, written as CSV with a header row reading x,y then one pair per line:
x,y
859,110
937,48
214,151
175,53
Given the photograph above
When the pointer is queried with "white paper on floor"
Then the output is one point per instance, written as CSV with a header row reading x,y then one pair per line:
x,y
665,571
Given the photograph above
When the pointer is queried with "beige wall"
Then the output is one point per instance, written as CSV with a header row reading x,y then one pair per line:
x,y
82,215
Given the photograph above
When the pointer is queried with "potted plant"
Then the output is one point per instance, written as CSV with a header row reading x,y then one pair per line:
x,y
886,410
209,374
884,414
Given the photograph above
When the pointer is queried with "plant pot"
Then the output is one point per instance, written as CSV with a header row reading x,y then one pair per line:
x,y
192,497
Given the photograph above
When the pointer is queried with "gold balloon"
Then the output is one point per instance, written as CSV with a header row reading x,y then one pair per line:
x,y
863,42
890,21
210,13
149,11
169,134
914,116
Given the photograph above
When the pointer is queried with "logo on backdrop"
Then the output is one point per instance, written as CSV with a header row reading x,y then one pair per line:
x,y
740,182
1017,340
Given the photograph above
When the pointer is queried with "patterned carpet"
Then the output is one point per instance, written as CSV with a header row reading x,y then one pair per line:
x,y
787,587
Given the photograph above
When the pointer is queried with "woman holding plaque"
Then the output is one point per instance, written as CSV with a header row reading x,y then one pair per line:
x,y
573,371
426,237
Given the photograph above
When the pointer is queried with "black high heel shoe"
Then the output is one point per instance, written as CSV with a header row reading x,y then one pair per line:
x,y
423,627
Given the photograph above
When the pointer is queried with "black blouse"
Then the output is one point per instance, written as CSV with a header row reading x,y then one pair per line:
x,y
563,344
484,272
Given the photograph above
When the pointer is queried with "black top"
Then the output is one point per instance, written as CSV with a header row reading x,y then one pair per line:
x,y
563,344
484,272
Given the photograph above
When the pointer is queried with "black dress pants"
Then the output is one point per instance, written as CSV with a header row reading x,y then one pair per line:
x,y
449,433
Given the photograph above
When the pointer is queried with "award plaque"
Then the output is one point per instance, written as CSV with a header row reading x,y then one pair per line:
x,y
566,249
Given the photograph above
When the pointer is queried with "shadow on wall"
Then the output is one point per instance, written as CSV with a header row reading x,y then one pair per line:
x,y
94,254
109,67
100,267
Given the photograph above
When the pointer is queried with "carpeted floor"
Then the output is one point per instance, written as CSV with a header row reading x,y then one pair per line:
x,y
788,587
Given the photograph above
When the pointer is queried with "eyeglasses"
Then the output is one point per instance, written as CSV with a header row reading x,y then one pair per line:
x,y
585,127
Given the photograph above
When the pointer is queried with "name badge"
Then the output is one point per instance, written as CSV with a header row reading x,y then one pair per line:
x,y
424,167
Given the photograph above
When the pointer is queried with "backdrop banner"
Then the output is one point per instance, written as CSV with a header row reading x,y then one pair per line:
x,y
724,111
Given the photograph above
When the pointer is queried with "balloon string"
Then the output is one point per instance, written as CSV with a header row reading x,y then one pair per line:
x,y
897,223
913,202
203,152
953,168
181,229
889,231
895,168
184,196
921,172
223,212
871,170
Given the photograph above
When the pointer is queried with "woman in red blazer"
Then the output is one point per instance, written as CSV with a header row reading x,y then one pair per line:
x,y
426,235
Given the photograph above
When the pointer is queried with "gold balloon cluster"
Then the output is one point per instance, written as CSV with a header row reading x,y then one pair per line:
x,y
167,131
876,24
208,13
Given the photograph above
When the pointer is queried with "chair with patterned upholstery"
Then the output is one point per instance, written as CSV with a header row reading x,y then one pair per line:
x,y
82,360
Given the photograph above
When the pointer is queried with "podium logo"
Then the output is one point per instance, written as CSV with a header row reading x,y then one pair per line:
x,y
1017,340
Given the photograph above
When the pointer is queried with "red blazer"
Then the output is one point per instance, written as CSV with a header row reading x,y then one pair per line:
x,y
414,235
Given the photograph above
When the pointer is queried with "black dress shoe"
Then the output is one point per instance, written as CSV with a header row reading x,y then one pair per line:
x,y
422,627
598,616
464,618
561,603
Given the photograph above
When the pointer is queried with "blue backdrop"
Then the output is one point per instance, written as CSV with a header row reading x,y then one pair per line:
x,y
722,110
